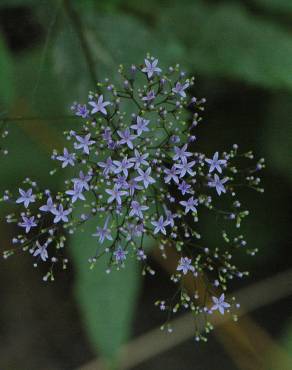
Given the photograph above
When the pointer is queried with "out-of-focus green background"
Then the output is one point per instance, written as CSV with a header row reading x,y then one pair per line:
x,y
51,53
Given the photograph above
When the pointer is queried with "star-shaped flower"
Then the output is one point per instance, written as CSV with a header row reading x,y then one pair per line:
x,y
184,187
218,184
41,251
171,174
141,125
145,177
185,167
84,143
190,204
76,193
137,208
126,138
26,197
180,89
108,166
215,163
60,214
99,106
151,67
103,232
47,207
28,223
123,166
116,194
185,265
181,153
160,225
120,255
139,159
67,158
220,304
83,180
150,95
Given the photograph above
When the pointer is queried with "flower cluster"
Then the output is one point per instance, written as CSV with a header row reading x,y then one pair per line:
x,y
138,172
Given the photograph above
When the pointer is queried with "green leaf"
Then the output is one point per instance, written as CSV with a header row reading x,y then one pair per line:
x,y
107,301
227,41
6,78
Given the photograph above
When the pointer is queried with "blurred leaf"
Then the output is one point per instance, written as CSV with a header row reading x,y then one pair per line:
x,y
107,301
226,40
283,361
6,77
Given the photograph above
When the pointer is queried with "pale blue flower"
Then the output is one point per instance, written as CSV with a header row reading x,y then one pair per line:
x,y
185,265
26,197
220,304
99,106
218,184
151,67
215,163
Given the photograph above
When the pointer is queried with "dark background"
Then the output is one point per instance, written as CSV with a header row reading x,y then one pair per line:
x,y
51,53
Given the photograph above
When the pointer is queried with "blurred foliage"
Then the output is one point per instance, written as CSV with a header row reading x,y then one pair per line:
x,y
107,301
226,44
6,78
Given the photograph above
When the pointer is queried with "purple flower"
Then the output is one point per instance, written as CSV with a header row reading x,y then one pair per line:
x,y
215,163
170,217
107,134
126,138
185,167
60,214
160,225
151,67
66,158
185,265
181,153
190,204
103,232
83,180
99,106
220,304
115,194
108,166
137,208
47,207
76,193
28,223
123,166
26,197
150,95
141,125
81,111
180,89
120,255
139,159
218,184
145,177
121,181
41,250
171,174
132,185
84,143
184,187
